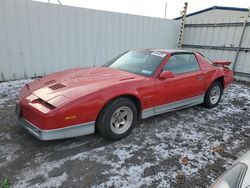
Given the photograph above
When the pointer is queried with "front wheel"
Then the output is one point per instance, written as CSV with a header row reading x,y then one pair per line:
x,y
213,95
117,119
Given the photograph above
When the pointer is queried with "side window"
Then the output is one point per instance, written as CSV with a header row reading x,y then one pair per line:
x,y
181,63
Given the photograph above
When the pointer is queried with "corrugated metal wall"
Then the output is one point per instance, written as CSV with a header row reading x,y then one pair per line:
x,y
218,39
39,38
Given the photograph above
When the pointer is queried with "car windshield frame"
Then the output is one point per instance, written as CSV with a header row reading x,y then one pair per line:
x,y
154,55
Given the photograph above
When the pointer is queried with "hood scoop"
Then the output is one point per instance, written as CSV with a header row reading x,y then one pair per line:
x,y
57,86
50,82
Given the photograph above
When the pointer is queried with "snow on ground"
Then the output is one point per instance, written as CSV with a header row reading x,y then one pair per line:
x,y
9,153
151,156
9,90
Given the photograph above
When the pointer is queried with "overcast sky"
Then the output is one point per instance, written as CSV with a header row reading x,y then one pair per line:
x,y
154,8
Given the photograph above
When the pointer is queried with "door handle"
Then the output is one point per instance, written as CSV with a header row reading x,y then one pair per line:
x,y
200,77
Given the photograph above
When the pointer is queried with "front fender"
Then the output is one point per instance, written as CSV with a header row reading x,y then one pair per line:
x,y
86,108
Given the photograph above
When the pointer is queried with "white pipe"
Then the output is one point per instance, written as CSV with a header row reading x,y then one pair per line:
x,y
165,14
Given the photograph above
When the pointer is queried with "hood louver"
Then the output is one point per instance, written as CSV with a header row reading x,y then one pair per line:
x,y
57,86
50,82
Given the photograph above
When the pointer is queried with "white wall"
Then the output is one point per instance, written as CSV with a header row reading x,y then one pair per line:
x,y
38,38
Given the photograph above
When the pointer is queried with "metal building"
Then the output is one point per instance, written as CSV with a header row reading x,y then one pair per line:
x,y
221,33
39,38
216,12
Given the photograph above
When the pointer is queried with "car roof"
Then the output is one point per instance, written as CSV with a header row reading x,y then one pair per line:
x,y
170,51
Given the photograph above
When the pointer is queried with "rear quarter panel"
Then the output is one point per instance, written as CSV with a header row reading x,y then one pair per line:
x,y
228,79
211,73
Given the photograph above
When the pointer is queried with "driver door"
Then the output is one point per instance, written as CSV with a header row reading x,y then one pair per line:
x,y
185,89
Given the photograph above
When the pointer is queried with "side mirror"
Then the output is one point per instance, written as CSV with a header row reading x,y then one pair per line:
x,y
166,74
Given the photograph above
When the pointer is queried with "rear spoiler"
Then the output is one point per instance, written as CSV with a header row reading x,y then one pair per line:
x,y
222,63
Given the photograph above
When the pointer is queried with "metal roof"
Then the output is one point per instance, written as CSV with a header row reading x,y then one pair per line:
x,y
215,7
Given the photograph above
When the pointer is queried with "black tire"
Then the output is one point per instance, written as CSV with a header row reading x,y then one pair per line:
x,y
104,124
207,101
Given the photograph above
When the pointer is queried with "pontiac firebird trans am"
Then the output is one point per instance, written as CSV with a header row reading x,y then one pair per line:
x,y
111,99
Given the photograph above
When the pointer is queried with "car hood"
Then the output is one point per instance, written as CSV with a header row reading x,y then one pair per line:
x,y
60,87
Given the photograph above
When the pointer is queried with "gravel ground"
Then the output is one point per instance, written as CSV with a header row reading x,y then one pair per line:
x,y
186,148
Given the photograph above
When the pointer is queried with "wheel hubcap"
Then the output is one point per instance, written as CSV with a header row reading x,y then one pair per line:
x,y
215,95
121,120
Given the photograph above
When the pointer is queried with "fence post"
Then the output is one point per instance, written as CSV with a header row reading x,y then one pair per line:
x,y
183,13
241,39
239,46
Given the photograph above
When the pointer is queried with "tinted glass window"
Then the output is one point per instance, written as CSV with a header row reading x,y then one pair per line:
x,y
181,63
139,62
206,58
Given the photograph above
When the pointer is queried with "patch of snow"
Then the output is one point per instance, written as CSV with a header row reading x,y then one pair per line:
x,y
41,171
127,176
125,152
53,181
10,90
8,153
5,136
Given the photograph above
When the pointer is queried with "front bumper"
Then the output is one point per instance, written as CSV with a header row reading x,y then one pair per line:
x,y
61,133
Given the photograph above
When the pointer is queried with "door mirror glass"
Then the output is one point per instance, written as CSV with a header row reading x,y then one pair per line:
x,y
166,74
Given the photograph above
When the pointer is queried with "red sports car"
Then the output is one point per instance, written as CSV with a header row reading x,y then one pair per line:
x,y
111,99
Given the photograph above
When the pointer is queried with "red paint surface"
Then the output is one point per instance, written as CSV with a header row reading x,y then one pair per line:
x,y
83,92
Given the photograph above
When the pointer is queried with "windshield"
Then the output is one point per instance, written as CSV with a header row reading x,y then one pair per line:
x,y
138,62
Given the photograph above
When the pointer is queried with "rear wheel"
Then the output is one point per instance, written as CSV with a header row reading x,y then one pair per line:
x,y
213,95
117,119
